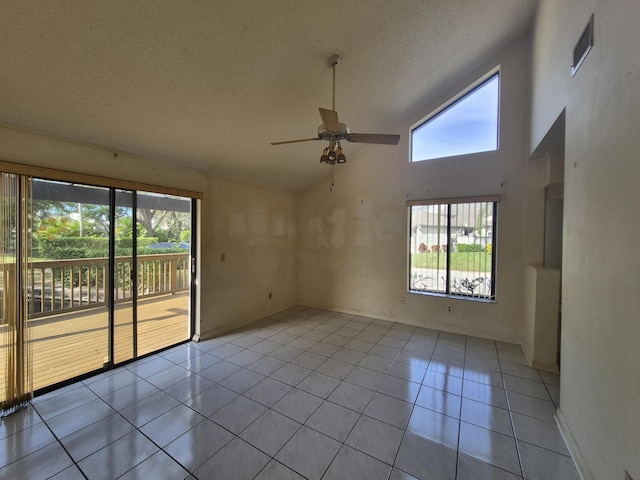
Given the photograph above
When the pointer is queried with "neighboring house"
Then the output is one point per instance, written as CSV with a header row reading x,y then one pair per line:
x,y
470,225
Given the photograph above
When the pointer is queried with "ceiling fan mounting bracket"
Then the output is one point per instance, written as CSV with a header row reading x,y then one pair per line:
x,y
334,61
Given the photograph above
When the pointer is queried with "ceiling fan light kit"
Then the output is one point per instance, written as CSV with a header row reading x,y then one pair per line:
x,y
334,132
333,154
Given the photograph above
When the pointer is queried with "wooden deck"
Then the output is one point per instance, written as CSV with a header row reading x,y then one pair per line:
x,y
68,345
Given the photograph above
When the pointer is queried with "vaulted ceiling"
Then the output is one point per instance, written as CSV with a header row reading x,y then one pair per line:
x,y
208,84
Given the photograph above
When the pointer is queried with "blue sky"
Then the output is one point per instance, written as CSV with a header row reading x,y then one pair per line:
x,y
468,126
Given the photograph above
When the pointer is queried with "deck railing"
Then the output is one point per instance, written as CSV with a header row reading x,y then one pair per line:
x,y
57,286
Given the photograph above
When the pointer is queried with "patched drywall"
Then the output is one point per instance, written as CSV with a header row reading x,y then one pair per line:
x,y
248,240
600,384
353,240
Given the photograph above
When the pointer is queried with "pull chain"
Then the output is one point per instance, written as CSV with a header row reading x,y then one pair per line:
x,y
333,167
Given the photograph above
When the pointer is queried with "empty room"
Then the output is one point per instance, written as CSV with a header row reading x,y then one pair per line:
x,y
320,240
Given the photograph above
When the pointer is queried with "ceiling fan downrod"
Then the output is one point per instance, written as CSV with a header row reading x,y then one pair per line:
x,y
334,61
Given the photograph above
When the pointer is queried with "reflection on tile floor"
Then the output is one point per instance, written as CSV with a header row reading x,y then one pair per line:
x,y
305,393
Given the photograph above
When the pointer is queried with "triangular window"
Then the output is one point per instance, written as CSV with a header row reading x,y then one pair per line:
x,y
467,125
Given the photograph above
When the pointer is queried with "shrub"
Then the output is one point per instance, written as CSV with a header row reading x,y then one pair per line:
x,y
71,247
422,248
89,247
467,248
142,242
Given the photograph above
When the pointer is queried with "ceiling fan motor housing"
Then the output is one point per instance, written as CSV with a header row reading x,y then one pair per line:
x,y
333,137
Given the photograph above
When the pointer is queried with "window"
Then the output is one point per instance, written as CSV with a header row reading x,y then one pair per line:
x,y
452,247
467,125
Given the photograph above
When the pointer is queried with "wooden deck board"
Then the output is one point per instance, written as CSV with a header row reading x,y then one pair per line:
x,y
67,345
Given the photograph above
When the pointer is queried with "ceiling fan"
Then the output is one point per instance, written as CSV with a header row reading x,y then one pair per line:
x,y
334,132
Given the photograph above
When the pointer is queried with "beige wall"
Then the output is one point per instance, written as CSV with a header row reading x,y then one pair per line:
x,y
256,230
22,146
600,384
254,226
353,241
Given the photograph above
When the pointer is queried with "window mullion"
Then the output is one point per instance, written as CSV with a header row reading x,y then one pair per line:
x,y
494,228
448,253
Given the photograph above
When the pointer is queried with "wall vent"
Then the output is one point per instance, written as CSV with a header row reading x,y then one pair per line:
x,y
583,47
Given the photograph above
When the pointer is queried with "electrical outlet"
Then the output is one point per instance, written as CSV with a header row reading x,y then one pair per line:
x,y
450,308
270,295
223,257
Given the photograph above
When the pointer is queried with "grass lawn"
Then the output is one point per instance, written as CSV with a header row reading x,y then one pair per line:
x,y
470,261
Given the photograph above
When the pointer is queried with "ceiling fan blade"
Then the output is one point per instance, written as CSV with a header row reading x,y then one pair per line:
x,y
295,141
379,138
330,120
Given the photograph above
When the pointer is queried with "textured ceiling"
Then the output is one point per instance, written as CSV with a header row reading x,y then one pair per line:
x,y
208,84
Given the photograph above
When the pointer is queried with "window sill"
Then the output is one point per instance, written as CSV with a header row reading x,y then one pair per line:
x,y
454,297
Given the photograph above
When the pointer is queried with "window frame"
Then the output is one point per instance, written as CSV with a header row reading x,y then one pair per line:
x,y
452,102
491,297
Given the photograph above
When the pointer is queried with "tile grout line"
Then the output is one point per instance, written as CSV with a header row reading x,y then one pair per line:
x,y
513,425
293,321
464,363
413,406
74,463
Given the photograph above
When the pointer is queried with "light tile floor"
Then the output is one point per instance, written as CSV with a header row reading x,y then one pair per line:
x,y
305,393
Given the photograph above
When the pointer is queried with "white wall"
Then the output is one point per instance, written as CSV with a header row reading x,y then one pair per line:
x,y
353,241
541,305
542,286
254,226
600,384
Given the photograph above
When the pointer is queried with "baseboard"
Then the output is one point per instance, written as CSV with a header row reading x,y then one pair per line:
x,y
527,354
548,367
574,449
433,326
227,327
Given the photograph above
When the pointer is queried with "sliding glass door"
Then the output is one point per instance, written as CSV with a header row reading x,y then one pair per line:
x,y
163,254
124,274
108,279
152,281
69,278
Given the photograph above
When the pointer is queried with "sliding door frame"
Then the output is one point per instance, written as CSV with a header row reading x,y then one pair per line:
x,y
113,185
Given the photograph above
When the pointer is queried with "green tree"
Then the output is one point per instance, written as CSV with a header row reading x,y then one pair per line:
x,y
124,228
166,225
